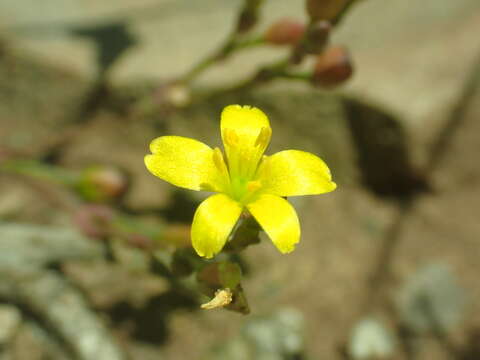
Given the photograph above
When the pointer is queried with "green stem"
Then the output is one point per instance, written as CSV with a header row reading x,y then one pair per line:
x,y
264,75
231,45
301,76
344,11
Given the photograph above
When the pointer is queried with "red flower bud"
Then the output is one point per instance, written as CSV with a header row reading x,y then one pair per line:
x,y
285,32
333,67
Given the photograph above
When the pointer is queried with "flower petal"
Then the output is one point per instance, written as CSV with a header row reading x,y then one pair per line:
x,y
293,173
212,224
246,134
278,219
184,162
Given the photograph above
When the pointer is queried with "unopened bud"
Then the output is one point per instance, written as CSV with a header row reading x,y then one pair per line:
x,y
325,9
333,67
285,32
103,183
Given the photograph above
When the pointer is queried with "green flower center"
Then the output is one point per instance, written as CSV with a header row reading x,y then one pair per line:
x,y
244,154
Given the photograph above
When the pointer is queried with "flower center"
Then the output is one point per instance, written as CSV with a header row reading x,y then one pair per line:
x,y
244,152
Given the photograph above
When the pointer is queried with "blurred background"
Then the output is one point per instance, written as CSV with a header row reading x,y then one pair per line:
x,y
95,256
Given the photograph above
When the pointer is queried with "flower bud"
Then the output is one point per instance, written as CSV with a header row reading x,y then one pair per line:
x,y
325,9
101,183
333,67
285,32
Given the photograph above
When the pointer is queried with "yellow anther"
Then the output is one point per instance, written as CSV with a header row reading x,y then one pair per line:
x,y
206,187
263,136
253,185
231,137
218,159
222,298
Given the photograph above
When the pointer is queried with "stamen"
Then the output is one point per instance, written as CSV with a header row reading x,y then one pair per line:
x,y
206,187
218,159
231,137
253,186
263,136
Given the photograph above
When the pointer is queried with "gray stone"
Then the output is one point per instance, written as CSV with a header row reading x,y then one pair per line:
x,y
10,319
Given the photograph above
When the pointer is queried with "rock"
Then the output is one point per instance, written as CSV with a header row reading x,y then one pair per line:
x,y
56,303
10,319
24,245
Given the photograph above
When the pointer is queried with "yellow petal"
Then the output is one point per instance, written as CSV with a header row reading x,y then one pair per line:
x,y
212,224
246,134
278,219
186,163
294,172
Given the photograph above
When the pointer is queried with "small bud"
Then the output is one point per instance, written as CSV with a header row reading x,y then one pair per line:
x,y
102,183
285,32
333,67
325,9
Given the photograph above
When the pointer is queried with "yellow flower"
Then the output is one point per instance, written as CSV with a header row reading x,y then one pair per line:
x,y
243,179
